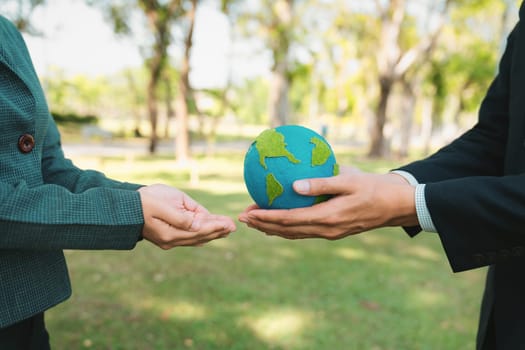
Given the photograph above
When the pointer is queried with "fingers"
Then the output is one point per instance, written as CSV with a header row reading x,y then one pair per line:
x,y
360,202
269,220
159,204
292,221
299,231
206,228
197,240
206,223
172,218
192,205
323,220
243,217
176,217
328,185
290,217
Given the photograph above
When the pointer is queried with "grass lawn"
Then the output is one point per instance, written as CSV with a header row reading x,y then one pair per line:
x,y
378,290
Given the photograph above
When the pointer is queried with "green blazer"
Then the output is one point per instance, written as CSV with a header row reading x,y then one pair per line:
x,y
46,203
476,196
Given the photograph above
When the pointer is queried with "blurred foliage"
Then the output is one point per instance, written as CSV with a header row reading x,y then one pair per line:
x,y
20,12
332,70
250,101
71,118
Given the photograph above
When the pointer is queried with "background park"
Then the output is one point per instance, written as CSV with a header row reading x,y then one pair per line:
x,y
174,91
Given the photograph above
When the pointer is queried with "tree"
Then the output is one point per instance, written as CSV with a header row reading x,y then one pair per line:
x,y
465,61
20,12
394,60
339,64
274,23
280,29
185,90
161,17
133,82
222,96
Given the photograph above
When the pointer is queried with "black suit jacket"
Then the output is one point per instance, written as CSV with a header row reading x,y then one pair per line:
x,y
476,196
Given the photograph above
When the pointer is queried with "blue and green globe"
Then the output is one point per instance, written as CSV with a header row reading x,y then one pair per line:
x,y
282,155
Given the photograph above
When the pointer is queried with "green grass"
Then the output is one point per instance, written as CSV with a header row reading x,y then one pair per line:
x,y
378,290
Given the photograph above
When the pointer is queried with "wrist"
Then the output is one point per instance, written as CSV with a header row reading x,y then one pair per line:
x,y
403,207
396,178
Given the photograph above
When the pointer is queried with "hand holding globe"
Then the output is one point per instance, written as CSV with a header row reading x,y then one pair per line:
x,y
359,202
282,155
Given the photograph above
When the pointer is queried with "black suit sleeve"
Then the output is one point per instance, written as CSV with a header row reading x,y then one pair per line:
x,y
478,210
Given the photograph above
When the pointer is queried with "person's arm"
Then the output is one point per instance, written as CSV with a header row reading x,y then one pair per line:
x,y
172,218
46,203
49,217
58,170
423,214
476,204
477,211
85,210
360,202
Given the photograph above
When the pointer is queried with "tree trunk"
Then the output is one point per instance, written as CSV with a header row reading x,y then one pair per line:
x,y
427,125
279,109
170,112
153,115
156,66
408,104
182,140
136,105
377,145
387,58
393,63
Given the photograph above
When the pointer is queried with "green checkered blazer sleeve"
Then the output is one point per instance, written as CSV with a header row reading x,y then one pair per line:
x,y
46,203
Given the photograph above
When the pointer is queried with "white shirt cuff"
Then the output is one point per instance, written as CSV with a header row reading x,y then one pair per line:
x,y
423,214
409,177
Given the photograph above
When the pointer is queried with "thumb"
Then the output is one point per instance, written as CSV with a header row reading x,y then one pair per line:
x,y
318,186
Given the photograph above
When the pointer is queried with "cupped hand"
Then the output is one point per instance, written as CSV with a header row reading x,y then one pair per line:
x,y
360,202
172,218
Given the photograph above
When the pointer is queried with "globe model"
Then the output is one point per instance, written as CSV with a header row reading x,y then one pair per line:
x,y
282,155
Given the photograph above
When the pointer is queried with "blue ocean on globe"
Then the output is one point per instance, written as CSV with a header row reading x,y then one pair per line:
x,y
282,155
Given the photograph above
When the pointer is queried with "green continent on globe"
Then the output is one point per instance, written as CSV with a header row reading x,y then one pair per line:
x,y
270,143
322,198
321,151
273,188
336,169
